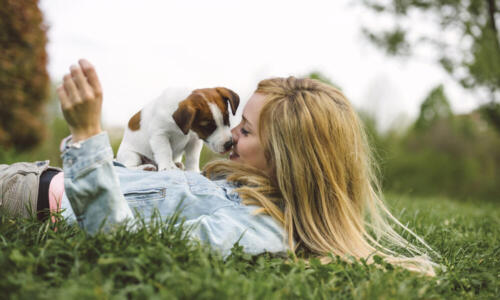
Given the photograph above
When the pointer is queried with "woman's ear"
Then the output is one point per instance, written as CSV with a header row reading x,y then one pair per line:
x,y
184,116
232,97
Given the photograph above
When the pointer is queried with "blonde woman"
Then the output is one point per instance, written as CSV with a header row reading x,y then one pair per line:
x,y
300,178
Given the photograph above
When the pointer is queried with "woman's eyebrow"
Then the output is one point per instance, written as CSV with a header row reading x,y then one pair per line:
x,y
246,121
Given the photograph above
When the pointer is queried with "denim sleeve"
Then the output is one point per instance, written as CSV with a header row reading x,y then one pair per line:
x,y
237,224
92,186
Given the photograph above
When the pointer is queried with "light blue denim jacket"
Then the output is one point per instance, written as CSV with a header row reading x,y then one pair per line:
x,y
98,191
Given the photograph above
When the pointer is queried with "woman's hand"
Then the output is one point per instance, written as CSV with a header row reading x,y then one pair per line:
x,y
81,101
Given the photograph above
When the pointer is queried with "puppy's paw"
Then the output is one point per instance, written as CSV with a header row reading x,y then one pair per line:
x,y
147,167
179,165
166,167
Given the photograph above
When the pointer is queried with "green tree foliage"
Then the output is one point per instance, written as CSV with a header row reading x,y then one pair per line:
x,y
472,58
491,112
24,82
442,154
435,107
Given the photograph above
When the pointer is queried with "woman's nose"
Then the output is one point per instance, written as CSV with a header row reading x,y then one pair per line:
x,y
234,134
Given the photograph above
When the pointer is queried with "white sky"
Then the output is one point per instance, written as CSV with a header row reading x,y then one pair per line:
x,y
141,47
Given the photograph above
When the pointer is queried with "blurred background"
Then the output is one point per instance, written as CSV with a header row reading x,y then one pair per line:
x,y
424,75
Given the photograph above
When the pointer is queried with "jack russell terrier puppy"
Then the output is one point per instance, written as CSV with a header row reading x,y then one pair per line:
x,y
174,124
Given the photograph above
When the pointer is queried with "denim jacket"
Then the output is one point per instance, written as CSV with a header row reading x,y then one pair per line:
x,y
100,192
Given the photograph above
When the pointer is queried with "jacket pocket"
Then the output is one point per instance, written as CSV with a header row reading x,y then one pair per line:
x,y
145,201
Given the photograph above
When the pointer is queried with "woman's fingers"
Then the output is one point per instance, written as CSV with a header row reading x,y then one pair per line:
x,y
91,74
82,84
63,97
71,89
84,89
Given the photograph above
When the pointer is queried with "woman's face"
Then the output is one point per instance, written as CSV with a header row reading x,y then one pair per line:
x,y
247,148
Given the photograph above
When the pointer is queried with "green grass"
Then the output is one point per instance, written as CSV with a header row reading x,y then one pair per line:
x,y
36,262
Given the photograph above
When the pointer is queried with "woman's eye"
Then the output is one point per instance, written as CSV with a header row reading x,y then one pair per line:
x,y
244,132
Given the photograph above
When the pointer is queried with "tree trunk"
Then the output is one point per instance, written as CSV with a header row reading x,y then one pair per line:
x,y
492,9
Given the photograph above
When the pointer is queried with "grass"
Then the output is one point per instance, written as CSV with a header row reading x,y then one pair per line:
x,y
38,263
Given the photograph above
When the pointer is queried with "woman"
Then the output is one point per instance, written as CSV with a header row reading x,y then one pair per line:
x,y
300,177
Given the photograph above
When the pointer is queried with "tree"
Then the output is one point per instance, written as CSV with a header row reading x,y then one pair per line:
x,y
24,81
472,56
435,107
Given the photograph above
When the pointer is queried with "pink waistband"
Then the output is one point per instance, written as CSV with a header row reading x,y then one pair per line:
x,y
56,191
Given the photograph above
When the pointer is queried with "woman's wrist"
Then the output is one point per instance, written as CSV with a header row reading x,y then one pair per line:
x,y
82,135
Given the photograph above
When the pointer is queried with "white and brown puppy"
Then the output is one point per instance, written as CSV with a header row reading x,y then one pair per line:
x,y
178,122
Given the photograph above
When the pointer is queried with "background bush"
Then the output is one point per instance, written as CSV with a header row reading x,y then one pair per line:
x,y
24,81
49,147
440,153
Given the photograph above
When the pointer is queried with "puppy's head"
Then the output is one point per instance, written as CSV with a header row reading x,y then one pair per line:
x,y
206,112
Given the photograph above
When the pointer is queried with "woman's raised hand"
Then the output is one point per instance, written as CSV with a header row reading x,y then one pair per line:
x,y
81,100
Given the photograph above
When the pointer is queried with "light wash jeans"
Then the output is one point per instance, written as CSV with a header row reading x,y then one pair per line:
x,y
98,191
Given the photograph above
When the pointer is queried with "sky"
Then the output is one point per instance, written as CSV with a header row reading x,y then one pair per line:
x,y
140,48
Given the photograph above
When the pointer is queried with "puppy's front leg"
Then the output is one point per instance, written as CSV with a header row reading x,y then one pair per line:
x,y
162,151
193,149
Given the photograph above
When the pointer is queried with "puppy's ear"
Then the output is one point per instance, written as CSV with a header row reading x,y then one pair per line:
x,y
232,97
184,116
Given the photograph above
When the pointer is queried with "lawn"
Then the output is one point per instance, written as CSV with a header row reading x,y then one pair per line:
x,y
36,262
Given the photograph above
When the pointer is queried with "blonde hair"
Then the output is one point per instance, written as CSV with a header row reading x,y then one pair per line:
x,y
323,187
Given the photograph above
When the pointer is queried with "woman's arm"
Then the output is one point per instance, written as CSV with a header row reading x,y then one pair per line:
x,y
90,181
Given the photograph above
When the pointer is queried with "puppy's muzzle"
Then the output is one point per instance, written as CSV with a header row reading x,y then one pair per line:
x,y
228,145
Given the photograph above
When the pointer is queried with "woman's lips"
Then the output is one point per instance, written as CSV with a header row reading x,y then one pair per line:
x,y
233,155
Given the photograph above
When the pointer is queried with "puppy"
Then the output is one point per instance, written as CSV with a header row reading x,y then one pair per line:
x,y
178,122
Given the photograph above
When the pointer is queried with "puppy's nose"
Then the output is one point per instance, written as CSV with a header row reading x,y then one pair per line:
x,y
228,144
